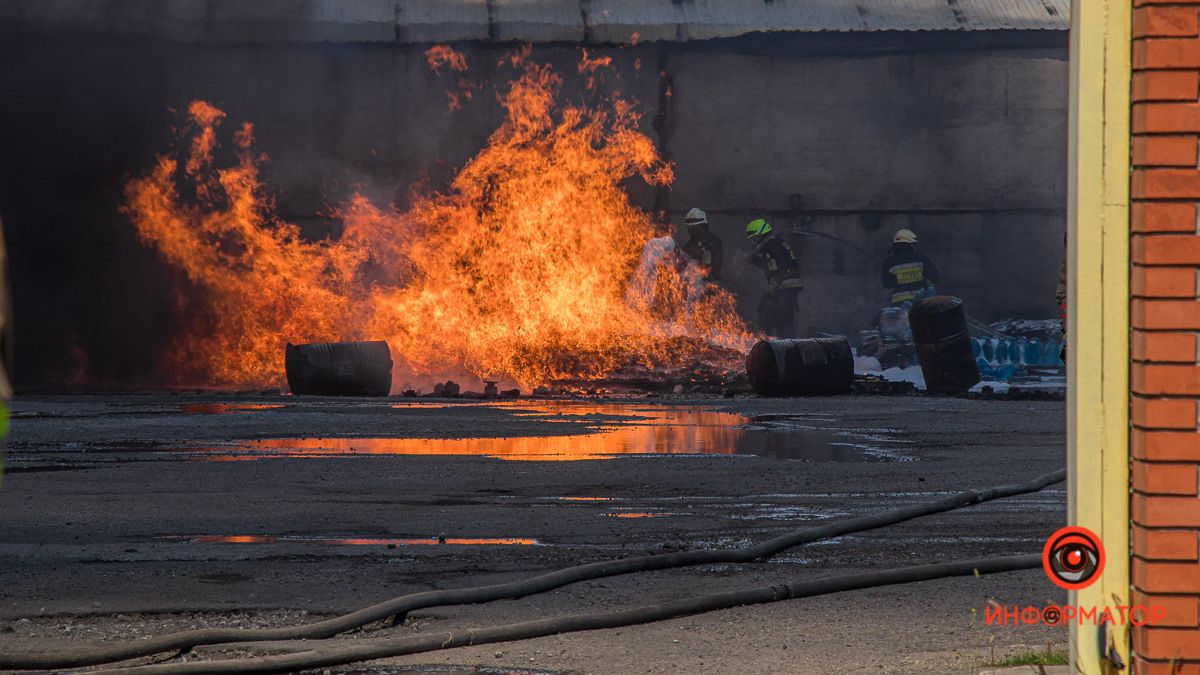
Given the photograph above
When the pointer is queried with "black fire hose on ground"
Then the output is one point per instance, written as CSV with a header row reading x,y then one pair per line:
x,y
398,607
338,652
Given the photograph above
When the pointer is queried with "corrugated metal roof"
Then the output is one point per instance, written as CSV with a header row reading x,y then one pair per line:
x,y
440,21
614,20
538,20
610,21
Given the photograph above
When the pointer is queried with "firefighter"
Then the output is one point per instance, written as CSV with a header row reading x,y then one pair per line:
x,y
907,274
702,245
777,307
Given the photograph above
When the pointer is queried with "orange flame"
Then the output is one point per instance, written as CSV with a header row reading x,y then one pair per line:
x,y
445,55
589,65
530,266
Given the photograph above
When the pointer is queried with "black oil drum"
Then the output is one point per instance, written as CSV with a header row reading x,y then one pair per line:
x,y
801,367
339,369
939,329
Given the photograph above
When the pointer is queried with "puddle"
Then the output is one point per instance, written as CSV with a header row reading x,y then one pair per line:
x,y
285,539
622,430
611,430
728,508
781,513
226,408
434,404
45,468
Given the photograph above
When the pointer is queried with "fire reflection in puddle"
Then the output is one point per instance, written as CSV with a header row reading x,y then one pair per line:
x,y
621,429
226,408
421,405
575,431
283,539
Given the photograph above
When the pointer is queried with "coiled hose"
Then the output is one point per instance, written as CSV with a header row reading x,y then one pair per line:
x,y
399,606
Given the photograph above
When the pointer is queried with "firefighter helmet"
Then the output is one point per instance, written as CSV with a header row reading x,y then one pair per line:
x,y
696,217
757,228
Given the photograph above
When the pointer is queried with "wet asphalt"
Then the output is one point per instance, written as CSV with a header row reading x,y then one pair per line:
x,y
190,508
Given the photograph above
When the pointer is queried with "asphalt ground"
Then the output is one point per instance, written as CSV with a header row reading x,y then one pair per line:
x,y
130,515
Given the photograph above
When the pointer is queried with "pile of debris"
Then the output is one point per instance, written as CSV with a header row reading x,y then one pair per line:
x,y
452,389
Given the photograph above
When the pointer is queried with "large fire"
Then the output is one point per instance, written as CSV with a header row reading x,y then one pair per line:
x,y
532,265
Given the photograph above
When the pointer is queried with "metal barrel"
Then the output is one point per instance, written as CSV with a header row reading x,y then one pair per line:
x,y
939,329
339,369
801,367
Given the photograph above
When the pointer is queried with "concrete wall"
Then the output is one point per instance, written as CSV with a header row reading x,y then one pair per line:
x,y
967,147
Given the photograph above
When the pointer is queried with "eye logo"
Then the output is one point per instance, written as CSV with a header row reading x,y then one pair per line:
x,y
1073,558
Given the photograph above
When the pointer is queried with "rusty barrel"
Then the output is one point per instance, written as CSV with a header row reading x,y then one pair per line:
x,y
939,329
339,369
801,367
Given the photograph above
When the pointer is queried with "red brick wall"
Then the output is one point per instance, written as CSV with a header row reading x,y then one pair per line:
x,y
1165,316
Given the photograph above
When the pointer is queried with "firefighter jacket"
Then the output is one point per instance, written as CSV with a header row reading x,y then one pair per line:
x,y
906,269
778,260
706,250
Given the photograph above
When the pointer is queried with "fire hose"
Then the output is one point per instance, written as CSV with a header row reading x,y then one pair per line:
x,y
337,652
398,607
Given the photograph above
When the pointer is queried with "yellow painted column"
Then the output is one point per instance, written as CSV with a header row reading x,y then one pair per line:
x,y
1098,300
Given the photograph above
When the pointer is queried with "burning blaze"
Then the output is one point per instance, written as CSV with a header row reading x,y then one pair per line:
x,y
589,65
531,266
445,56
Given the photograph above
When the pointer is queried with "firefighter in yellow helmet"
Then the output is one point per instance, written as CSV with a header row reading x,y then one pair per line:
x,y
907,274
777,306
702,245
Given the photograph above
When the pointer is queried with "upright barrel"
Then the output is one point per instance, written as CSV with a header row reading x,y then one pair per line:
x,y
939,329
801,367
339,369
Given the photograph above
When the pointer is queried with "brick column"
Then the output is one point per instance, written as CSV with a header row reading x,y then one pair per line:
x,y
1165,318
